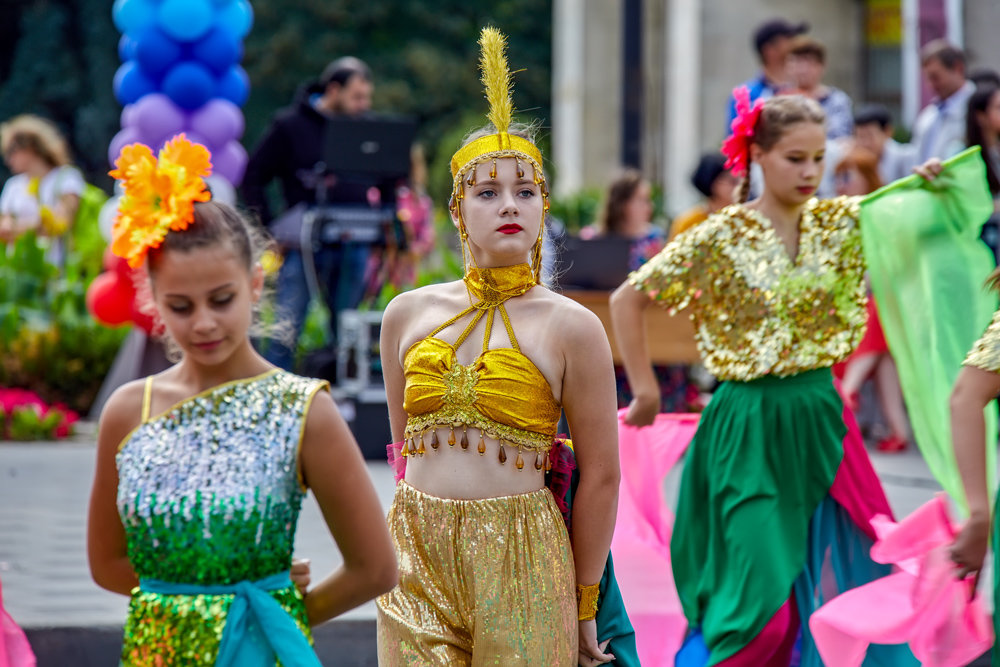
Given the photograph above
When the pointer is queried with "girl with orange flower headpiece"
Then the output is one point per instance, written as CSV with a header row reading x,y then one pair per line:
x,y
777,492
477,374
201,469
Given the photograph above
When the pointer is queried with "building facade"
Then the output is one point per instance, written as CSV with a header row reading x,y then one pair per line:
x,y
645,82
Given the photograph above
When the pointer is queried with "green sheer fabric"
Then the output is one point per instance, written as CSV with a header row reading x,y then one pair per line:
x,y
927,266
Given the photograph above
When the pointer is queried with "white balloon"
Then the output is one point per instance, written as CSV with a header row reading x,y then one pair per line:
x,y
222,190
106,218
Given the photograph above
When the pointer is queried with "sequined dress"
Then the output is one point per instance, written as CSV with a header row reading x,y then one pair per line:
x,y
775,493
209,494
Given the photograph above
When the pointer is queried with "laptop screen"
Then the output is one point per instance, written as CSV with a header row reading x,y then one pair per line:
x,y
374,147
594,264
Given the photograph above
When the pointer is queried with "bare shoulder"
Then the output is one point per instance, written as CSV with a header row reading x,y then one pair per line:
x,y
121,413
405,306
576,324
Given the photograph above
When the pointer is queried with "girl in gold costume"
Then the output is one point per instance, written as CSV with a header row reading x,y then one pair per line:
x,y
477,372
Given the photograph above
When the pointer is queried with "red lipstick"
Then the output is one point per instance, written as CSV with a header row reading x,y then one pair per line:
x,y
510,228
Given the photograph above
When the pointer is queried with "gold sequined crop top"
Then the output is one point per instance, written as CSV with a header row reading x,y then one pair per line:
x,y
985,354
757,311
502,393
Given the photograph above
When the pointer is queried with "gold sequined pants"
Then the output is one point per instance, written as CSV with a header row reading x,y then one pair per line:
x,y
481,582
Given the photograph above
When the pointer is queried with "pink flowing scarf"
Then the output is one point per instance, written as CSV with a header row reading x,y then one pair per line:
x,y
14,648
641,543
922,604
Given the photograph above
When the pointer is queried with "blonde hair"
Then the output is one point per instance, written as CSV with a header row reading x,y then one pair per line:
x,y
779,114
37,135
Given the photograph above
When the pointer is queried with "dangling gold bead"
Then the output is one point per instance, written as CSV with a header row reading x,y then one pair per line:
x,y
548,463
520,169
413,445
482,444
451,437
493,169
519,462
422,450
539,461
503,454
434,439
465,439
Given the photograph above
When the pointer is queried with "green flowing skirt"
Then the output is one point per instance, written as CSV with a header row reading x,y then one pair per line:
x,y
765,455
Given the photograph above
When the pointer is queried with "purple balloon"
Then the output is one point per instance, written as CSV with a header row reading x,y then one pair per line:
x,y
128,115
234,85
220,121
156,116
131,83
230,162
124,137
156,52
189,85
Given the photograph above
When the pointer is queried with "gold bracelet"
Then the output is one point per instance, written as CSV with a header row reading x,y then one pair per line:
x,y
586,600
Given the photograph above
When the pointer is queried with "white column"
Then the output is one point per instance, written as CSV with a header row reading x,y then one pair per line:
x,y
956,24
681,104
568,55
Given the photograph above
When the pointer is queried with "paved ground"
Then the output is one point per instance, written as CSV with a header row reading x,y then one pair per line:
x,y
47,587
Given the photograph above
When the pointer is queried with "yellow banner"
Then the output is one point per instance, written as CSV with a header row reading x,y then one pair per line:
x,y
884,23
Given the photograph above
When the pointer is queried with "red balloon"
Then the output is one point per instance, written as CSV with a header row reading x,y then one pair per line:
x,y
109,299
142,320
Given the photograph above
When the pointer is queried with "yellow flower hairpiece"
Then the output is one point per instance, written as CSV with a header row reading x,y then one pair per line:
x,y
159,196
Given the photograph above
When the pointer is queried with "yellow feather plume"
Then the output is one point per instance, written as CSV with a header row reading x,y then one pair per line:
x,y
496,77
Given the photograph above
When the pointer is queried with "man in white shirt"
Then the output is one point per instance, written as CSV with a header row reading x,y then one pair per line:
x,y
939,130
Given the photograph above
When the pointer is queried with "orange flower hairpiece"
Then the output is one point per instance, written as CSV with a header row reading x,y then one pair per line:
x,y
159,196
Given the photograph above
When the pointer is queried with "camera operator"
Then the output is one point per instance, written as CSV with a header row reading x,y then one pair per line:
x,y
291,152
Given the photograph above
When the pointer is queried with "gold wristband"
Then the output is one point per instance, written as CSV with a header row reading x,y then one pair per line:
x,y
586,601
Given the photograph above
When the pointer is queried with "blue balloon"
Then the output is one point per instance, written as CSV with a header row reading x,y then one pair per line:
x,y
126,48
133,16
131,83
234,85
219,50
236,17
186,20
156,52
189,85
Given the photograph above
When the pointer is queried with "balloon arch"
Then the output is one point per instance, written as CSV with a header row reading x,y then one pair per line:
x,y
180,72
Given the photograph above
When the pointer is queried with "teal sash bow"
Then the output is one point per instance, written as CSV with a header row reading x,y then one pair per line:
x,y
258,631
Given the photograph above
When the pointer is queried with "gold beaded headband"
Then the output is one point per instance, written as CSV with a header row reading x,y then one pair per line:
x,y
497,80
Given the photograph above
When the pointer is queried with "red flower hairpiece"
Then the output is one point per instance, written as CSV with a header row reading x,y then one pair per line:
x,y
736,147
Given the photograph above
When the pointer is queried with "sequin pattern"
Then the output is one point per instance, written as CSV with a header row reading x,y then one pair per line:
x,y
985,354
756,312
481,582
209,494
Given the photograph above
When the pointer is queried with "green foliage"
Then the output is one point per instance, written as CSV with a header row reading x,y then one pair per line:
x,y
578,210
49,343
424,59
30,423
62,68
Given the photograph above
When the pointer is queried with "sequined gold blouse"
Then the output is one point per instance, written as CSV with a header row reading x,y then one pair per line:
x,y
985,354
502,393
756,311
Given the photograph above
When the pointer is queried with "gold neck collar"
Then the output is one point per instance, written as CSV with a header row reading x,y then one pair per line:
x,y
493,286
